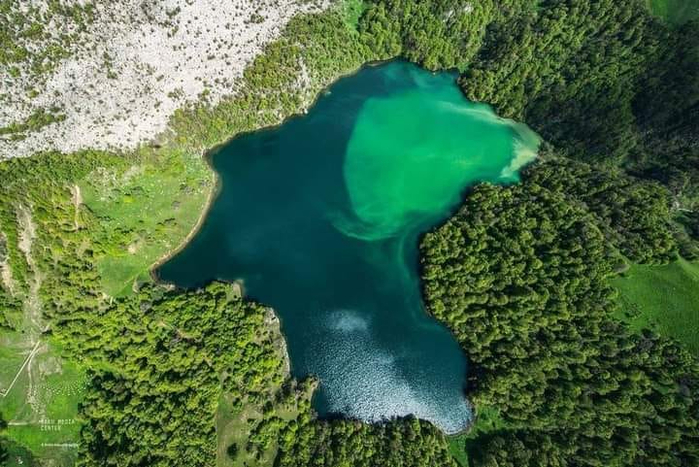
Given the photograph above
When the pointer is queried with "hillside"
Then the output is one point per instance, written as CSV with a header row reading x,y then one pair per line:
x,y
95,75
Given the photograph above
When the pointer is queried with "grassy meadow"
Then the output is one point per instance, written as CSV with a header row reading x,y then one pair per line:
x,y
665,298
145,210
675,11
488,420
42,409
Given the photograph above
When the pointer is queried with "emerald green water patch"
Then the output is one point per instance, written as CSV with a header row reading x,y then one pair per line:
x,y
320,218
412,153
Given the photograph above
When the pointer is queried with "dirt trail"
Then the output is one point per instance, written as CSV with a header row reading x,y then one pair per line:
x,y
6,276
33,306
5,271
77,201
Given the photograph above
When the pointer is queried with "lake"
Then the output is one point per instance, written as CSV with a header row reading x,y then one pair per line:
x,y
320,218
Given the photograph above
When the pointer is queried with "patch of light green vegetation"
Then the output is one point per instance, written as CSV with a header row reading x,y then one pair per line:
x,y
665,298
675,11
34,122
235,423
488,421
353,10
147,209
13,349
42,407
17,455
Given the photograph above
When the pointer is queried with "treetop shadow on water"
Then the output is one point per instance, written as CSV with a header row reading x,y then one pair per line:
x,y
320,218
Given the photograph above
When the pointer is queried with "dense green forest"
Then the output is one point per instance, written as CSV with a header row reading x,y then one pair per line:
x,y
634,214
406,443
605,84
522,274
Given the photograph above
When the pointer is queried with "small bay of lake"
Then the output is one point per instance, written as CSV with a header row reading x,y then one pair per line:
x,y
320,218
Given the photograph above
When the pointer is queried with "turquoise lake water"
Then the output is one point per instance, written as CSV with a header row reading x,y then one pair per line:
x,y
320,218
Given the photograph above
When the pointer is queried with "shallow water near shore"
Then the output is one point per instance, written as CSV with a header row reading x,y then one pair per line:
x,y
320,218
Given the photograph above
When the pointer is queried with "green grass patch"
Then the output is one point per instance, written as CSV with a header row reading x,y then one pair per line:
x,y
36,121
14,348
664,298
145,210
54,448
675,11
17,456
233,428
353,11
43,411
235,425
457,449
488,421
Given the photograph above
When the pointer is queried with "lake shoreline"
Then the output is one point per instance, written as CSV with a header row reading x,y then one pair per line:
x,y
427,93
214,191
207,155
